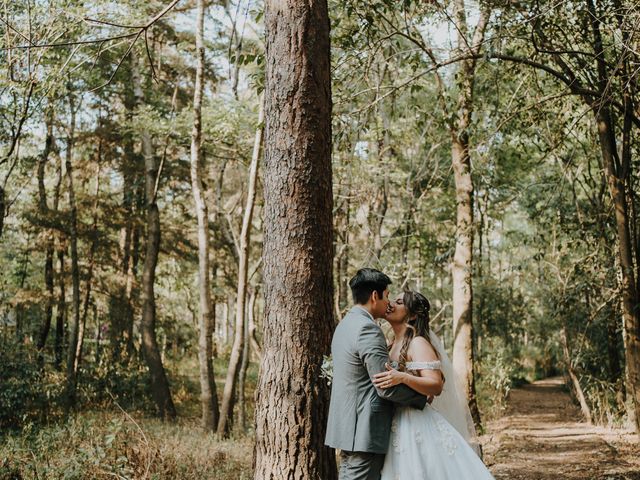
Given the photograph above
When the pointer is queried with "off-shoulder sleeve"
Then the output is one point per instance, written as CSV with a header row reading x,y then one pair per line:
x,y
435,365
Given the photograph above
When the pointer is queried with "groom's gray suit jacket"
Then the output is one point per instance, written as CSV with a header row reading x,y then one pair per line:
x,y
359,414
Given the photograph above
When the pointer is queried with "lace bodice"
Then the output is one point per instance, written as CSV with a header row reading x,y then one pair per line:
x,y
435,365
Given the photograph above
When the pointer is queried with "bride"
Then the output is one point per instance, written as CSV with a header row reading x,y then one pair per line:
x,y
439,442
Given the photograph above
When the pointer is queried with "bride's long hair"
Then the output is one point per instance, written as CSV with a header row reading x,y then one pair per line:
x,y
417,307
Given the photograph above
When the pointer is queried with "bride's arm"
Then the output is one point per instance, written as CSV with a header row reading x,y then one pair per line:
x,y
429,382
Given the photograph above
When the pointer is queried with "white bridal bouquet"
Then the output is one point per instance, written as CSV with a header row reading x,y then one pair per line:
x,y
326,369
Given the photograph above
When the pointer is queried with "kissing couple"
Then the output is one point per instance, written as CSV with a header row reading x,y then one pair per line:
x,y
396,411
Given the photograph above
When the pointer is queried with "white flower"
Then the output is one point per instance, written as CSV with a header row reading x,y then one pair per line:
x,y
326,369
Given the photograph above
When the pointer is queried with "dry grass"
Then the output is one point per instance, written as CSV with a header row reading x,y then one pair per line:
x,y
113,445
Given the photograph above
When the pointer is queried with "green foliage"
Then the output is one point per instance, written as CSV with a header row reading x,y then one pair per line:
x,y
127,384
27,393
501,369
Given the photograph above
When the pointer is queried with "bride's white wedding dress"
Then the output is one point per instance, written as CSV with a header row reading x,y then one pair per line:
x,y
425,446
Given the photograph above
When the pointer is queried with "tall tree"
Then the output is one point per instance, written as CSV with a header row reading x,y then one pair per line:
x,y
235,360
292,399
75,268
150,350
462,268
208,394
43,210
121,307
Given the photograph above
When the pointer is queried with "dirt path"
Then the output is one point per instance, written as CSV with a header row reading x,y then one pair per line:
x,y
541,436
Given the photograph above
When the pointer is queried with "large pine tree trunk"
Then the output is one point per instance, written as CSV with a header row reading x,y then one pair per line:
x,y
150,350
292,400
226,411
208,394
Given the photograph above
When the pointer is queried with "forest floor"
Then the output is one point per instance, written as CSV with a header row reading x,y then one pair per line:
x,y
542,436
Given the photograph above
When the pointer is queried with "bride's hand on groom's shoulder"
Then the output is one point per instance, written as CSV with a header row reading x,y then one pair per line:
x,y
388,379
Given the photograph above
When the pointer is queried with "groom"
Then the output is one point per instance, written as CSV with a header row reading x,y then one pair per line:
x,y
359,414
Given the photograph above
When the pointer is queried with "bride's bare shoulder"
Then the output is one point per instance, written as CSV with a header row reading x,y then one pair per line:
x,y
420,350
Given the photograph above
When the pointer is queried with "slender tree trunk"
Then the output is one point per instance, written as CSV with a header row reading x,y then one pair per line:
x,y
342,298
43,209
246,353
462,269
226,411
253,340
61,308
121,310
617,174
575,382
58,347
630,312
208,394
75,268
91,262
150,350
292,400
98,355
132,275
462,276
615,371
224,330
3,209
20,307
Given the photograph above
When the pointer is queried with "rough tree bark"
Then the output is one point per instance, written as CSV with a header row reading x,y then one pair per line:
x,y
228,397
150,350
208,393
292,400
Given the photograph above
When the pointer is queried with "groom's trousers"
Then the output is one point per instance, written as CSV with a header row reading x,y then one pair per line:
x,y
360,465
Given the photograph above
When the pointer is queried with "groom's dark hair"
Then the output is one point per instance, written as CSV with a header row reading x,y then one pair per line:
x,y
365,281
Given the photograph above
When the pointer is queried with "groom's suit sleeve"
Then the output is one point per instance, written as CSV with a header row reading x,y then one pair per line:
x,y
372,350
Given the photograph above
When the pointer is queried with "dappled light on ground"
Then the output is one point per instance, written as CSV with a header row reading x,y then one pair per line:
x,y
542,436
